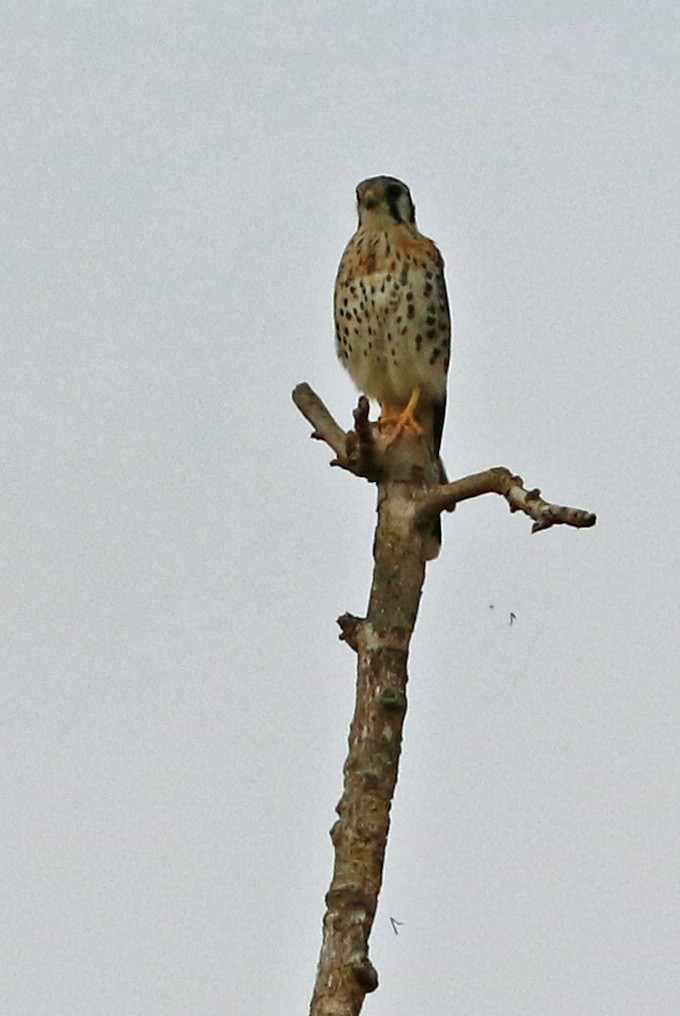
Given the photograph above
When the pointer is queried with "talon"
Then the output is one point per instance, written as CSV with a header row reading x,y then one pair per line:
x,y
402,421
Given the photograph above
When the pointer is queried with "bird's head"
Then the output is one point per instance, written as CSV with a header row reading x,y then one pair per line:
x,y
383,201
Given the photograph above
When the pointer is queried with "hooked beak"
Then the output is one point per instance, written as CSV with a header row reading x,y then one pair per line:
x,y
369,197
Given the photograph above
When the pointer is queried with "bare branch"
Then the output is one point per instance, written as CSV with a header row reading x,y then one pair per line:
x,y
500,480
325,427
363,453
349,630
355,450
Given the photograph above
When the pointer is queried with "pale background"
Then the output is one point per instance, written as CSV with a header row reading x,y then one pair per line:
x,y
178,185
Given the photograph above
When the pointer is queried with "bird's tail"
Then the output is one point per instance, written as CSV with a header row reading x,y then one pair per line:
x,y
432,542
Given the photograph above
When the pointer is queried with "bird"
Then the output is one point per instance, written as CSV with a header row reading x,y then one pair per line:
x,y
392,318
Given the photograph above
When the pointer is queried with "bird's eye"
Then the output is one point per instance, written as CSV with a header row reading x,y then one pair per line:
x,y
392,192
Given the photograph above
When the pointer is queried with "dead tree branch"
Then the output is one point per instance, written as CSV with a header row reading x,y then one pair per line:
x,y
409,498
500,480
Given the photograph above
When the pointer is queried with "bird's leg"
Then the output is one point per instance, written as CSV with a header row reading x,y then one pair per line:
x,y
402,421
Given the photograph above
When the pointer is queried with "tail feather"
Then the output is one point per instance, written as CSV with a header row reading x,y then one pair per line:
x,y
434,422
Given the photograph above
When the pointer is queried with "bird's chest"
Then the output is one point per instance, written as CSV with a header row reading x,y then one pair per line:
x,y
388,312
375,302
376,292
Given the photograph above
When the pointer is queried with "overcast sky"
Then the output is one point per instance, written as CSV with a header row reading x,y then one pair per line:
x,y
178,186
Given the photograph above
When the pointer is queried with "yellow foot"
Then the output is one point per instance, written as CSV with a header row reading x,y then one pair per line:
x,y
403,421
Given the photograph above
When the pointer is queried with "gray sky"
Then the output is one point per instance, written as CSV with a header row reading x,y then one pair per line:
x,y
178,187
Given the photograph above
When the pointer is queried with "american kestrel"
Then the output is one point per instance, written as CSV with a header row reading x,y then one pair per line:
x,y
392,323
